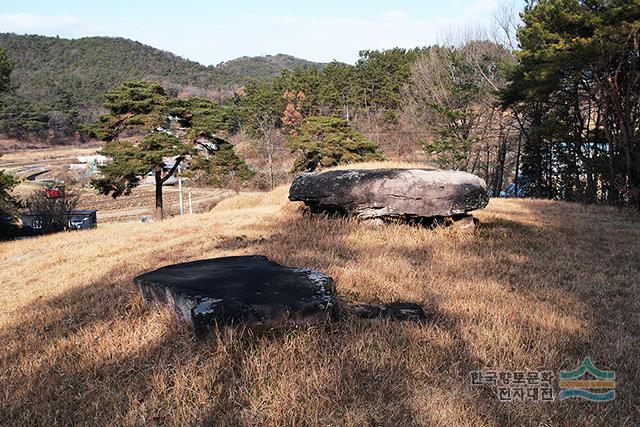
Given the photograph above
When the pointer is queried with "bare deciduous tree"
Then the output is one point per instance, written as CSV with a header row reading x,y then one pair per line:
x,y
453,90
51,212
506,21
269,147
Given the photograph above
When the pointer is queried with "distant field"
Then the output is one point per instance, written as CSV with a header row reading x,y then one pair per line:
x,y
15,158
541,285
140,203
55,159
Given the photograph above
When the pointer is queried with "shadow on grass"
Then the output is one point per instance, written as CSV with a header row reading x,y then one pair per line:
x,y
52,378
560,261
96,355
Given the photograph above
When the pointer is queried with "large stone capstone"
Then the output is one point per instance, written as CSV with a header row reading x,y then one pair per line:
x,y
391,193
240,290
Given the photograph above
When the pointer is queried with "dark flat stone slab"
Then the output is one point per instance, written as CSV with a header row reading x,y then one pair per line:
x,y
401,311
247,290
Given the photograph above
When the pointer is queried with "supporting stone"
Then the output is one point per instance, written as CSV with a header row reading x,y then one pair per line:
x,y
465,223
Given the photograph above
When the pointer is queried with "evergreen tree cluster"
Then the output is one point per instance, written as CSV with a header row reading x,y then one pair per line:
x,y
576,91
373,85
329,141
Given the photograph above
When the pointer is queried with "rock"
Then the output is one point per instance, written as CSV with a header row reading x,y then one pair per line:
x,y
391,193
240,290
402,311
373,222
466,223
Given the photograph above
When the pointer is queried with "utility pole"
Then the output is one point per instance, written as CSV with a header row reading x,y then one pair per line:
x,y
180,190
190,208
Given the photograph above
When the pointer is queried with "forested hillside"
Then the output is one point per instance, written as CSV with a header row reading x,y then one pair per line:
x,y
550,108
59,83
261,67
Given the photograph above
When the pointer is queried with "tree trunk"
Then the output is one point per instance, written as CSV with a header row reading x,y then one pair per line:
x,y
499,172
487,175
612,194
517,171
271,177
159,212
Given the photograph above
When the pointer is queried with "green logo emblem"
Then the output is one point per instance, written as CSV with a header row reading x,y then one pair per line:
x,y
571,384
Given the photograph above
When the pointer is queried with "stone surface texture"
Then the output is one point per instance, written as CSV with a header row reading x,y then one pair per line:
x,y
401,311
391,193
240,290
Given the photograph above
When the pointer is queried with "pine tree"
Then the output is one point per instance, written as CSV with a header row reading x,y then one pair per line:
x,y
6,67
576,87
330,141
158,129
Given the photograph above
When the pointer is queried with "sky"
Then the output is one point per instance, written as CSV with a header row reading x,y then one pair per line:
x,y
213,31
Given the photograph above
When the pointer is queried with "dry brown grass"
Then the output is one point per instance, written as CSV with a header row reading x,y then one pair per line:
x,y
141,202
50,155
541,285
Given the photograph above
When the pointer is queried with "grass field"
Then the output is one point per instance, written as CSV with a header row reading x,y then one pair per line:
x,y
541,285
141,202
43,156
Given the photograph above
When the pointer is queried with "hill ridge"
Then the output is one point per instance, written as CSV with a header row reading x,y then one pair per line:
x,y
63,80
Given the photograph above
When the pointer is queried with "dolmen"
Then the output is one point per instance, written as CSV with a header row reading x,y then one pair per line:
x,y
410,195
256,293
240,290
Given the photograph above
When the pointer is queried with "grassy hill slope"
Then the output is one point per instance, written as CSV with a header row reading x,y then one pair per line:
x,y
540,286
